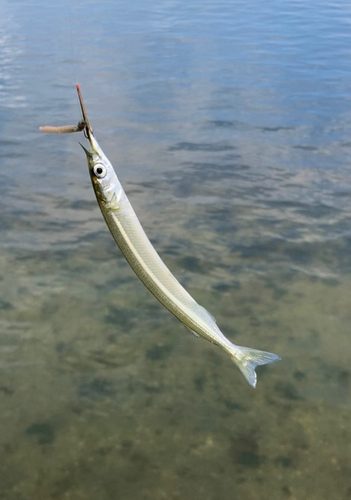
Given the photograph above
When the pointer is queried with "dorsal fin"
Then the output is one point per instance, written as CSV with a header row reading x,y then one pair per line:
x,y
208,314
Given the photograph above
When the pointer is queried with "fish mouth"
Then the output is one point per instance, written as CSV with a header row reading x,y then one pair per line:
x,y
86,151
88,131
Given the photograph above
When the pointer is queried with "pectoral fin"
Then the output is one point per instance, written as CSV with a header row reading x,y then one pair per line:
x,y
194,333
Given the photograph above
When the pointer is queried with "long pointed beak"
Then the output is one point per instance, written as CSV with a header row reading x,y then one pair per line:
x,y
86,151
88,129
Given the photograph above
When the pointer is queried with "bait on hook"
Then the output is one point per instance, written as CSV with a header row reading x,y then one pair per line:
x,y
64,129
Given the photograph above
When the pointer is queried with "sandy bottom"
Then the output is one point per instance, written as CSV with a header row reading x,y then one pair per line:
x,y
105,395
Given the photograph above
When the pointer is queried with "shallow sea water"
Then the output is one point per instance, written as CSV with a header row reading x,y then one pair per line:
x,y
230,129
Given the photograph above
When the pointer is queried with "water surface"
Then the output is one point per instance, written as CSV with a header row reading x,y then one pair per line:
x,y
229,127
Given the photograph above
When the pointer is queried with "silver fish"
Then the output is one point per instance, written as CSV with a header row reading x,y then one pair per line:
x,y
142,257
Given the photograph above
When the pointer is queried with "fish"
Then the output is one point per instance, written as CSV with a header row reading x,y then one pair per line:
x,y
144,260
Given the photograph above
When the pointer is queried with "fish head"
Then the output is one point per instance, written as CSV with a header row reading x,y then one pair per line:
x,y
105,182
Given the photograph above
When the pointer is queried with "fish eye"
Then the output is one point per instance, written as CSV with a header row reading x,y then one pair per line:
x,y
99,170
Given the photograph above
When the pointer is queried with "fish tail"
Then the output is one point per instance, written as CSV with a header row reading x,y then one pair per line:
x,y
247,359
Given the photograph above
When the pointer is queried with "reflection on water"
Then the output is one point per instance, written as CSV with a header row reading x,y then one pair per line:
x,y
230,132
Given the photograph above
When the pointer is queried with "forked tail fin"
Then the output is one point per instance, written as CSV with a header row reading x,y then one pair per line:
x,y
247,359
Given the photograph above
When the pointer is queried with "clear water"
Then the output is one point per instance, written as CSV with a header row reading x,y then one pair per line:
x,y
229,124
